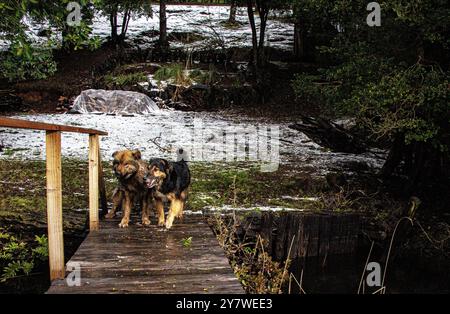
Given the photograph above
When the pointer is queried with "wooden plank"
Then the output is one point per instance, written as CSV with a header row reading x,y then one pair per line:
x,y
54,205
24,124
151,259
167,284
94,154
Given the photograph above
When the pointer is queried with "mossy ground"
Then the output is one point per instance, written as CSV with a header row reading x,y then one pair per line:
x,y
23,201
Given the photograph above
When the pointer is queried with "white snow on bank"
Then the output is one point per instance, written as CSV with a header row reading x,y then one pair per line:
x,y
162,133
206,21
229,208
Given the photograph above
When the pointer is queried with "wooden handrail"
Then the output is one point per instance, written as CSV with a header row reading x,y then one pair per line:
x,y
54,184
24,124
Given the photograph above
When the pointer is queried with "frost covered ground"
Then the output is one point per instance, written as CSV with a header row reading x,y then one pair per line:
x,y
210,137
204,21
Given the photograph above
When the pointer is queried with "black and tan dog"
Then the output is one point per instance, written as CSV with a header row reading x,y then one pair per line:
x,y
169,181
130,170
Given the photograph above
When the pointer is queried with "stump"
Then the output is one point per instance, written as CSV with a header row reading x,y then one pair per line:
x,y
311,234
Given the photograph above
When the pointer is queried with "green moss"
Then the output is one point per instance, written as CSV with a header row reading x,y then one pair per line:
x,y
8,152
123,80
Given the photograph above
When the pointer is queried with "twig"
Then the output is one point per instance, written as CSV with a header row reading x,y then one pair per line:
x,y
390,246
382,290
286,263
299,284
432,241
163,149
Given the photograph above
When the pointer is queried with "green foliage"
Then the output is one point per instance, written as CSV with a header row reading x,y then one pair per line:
x,y
172,72
414,102
177,74
18,257
394,79
123,80
24,61
187,242
41,251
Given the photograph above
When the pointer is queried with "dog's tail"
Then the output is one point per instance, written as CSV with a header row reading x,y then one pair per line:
x,y
182,155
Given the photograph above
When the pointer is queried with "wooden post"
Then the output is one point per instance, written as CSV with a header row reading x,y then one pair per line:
x,y
54,205
103,201
94,153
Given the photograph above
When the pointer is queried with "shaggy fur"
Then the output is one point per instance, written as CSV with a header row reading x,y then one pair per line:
x,y
130,170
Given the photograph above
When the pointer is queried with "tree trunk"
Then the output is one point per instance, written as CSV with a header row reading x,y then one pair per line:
x,y
395,156
233,9
263,15
299,40
163,24
113,23
251,18
125,21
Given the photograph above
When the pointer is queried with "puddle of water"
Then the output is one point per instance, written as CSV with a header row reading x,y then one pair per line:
x,y
341,274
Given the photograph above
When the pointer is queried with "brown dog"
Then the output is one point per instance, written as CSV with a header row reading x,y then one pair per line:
x,y
130,170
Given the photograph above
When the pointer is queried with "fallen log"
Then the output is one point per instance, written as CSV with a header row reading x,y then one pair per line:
x,y
330,135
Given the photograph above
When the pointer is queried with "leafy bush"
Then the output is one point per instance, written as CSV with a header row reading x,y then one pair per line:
x,y
18,257
26,62
394,78
414,102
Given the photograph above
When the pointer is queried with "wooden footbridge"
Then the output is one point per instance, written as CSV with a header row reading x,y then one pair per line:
x,y
186,259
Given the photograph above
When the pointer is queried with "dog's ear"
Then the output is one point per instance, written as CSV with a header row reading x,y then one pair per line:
x,y
136,154
115,154
168,168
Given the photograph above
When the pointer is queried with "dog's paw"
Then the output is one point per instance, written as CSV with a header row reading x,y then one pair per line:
x,y
168,224
110,215
145,221
161,223
123,224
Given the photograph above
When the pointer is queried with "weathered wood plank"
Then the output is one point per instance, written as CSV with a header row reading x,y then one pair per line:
x,y
24,124
151,260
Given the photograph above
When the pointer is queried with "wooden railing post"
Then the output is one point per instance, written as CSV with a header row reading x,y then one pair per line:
x,y
94,153
54,205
